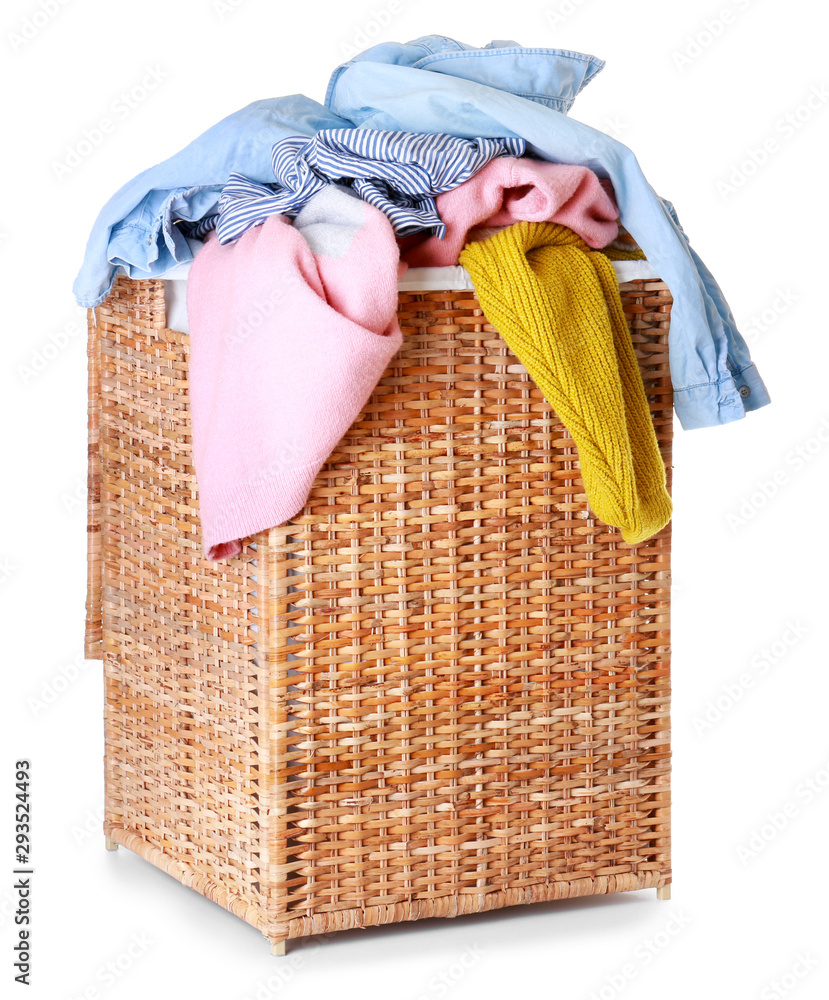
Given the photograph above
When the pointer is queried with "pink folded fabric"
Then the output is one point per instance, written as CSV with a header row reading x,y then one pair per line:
x,y
286,346
514,188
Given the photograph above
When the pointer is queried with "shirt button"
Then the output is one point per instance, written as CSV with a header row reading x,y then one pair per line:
x,y
745,391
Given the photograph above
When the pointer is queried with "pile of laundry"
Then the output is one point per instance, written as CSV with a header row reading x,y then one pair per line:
x,y
296,222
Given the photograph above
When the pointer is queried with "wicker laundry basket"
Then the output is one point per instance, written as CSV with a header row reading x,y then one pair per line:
x,y
443,688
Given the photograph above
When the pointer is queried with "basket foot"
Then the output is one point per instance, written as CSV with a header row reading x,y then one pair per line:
x,y
279,947
664,891
110,844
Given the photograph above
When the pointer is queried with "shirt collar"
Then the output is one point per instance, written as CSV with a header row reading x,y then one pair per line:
x,y
553,77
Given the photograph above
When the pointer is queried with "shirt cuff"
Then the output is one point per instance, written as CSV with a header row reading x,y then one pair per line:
x,y
721,402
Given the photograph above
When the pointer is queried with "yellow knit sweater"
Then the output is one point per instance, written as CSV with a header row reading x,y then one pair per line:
x,y
556,303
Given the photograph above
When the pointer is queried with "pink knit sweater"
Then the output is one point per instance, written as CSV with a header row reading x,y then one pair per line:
x,y
286,346
512,188
292,326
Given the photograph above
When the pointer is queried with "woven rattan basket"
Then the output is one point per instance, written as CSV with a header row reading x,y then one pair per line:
x,y
443,688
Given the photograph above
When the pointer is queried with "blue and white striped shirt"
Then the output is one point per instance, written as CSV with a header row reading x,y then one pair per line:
x,y
398,172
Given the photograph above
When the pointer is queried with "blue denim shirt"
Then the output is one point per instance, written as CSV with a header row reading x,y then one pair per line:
x,y
437,84
499,92
135,230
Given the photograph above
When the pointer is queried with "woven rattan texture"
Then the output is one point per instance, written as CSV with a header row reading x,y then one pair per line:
x,y
444,687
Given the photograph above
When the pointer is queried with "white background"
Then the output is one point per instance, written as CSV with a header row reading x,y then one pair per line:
x,y
750,570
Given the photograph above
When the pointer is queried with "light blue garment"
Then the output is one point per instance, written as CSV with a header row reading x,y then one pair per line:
x,y
398,172
437,84
713,376
552,77
135,230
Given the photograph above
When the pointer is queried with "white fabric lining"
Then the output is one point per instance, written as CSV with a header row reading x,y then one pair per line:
x,y
416,279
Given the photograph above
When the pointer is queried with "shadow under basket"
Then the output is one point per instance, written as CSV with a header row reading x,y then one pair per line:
x,y
442,688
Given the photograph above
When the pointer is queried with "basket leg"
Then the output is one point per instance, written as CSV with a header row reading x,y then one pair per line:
x,y
110,844
664,891
279,947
